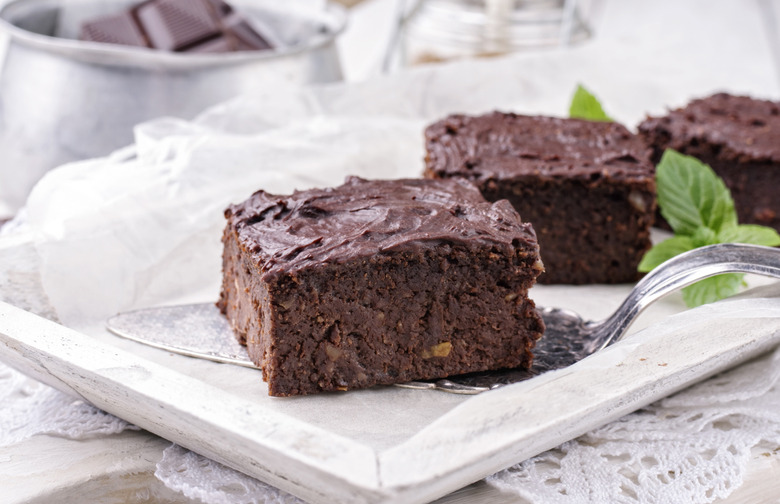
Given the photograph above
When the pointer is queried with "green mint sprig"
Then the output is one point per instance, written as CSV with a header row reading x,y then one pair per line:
x,y
584,105
699,208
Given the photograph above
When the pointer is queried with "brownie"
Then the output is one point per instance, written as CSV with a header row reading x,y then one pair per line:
x,y
587,187
739,137
379,282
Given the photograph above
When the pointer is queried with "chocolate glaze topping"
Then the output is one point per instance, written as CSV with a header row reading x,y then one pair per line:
x,y
366,217
744,128
504,145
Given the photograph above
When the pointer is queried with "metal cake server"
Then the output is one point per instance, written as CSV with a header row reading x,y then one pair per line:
x,y
199,330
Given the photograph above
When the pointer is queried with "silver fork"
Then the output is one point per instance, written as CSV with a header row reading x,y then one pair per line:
x,y
200,331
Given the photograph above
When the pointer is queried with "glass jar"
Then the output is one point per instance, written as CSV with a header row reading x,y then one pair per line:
x,y
442,30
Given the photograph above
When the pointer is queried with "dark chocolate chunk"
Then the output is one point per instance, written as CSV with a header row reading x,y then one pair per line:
x,y
116,29
179,26
175,25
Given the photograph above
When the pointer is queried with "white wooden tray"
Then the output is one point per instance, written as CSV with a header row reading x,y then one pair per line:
x,y
385,444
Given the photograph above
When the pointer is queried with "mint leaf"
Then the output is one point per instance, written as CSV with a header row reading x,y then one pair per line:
x,y
691,195
750,233
586,106
664,251
712,289
698,206
704,236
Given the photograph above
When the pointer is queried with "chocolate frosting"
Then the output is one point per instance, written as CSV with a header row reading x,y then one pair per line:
x,y
504,145
366,217
743,128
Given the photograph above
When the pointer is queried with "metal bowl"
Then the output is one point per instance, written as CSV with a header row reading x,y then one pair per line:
x,y
64,100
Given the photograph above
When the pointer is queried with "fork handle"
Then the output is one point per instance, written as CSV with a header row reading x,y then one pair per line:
x,y
681,271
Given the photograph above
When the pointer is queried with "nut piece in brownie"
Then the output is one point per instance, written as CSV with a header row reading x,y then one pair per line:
x,y
739,137
379,282
587,187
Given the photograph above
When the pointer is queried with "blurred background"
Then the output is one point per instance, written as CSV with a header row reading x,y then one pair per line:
x,y
63,101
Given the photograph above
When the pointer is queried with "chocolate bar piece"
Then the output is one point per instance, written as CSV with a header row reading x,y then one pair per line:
x,y
116,29
174,25
178,26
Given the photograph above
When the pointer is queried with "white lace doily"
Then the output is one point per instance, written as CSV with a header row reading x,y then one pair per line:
x,y
691,447
30,408
200,478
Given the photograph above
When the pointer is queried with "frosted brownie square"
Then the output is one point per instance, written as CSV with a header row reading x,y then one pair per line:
x,y
587,188
739,137
379,282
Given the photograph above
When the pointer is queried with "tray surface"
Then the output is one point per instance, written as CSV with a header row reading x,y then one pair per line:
x,y
364,446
